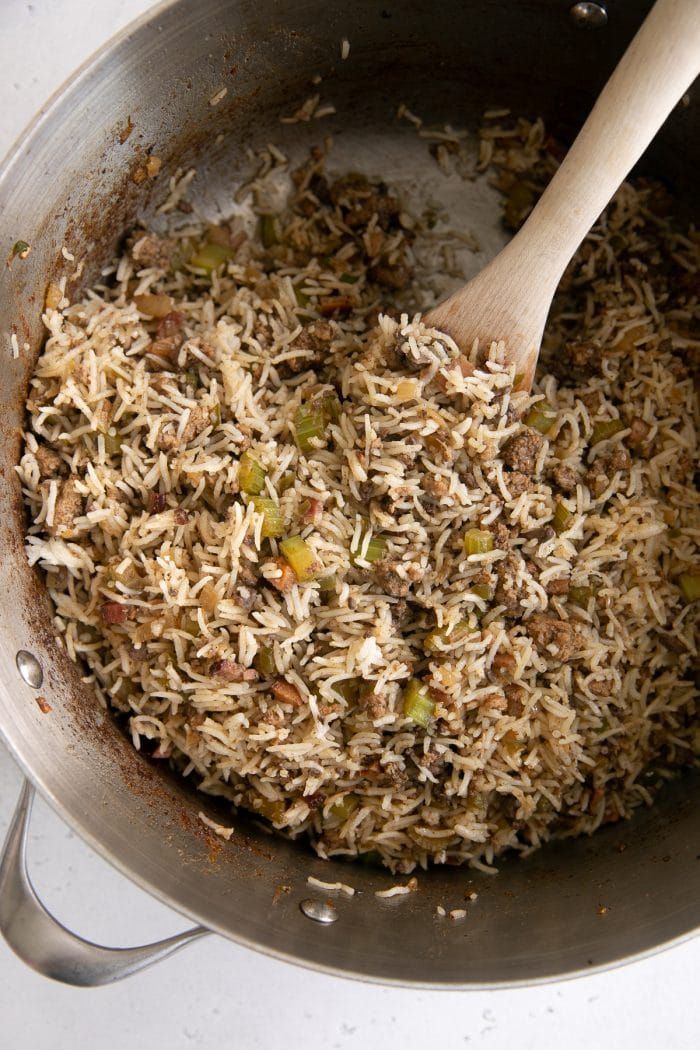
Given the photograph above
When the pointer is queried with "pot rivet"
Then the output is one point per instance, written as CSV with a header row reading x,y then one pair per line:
x,y
320,911
29,668
588,15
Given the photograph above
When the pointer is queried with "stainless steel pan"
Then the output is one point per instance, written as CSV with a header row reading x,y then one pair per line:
x,y
68,181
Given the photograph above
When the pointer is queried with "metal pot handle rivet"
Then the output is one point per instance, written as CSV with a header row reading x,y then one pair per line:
x,y
29,668
588,15
43,943
324,912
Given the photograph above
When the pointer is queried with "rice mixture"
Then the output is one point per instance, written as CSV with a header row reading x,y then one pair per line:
x,y
349,578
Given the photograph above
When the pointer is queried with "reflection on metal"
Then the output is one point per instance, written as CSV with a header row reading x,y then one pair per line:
x,y
29,668
588,15
320,911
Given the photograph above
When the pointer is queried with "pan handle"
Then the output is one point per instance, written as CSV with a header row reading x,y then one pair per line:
x,y
43,943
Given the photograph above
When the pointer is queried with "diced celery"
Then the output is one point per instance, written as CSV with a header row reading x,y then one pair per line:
x,y
251,476
482,590
264,661
271,809
309,423
580,595
301,558
562,519
376,549
210,257
286,482
417,703
607,428
690,586
327,584
348,688
541,417
272,516
478,541
113,443
444,636
344,807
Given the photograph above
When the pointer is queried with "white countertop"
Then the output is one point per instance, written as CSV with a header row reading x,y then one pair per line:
x,y
215,994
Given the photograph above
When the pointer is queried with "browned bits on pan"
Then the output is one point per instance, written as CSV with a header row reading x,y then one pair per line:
x,y
126,131
114,612
286,692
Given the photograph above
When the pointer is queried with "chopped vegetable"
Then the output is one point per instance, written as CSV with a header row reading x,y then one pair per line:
x,y
153,305
446,636
607,428
190,625
271,809
285,482
113,443
327,585
541,417
20,249
562,519
690,585
330,408
264,661
580,595
272,516
478,541
301,558
348,688
344,807
191,378
208,598
417,703
210,257
482,590
432,843
251,476
309,423
301,297
268,231
376,549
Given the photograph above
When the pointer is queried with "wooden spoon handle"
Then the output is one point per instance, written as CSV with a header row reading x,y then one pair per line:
x,y
658,67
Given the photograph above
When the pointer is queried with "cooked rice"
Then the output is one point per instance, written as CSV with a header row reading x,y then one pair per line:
x,y
550,716
341,887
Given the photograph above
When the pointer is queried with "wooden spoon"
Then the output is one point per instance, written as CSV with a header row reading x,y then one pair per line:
x,y
510,298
